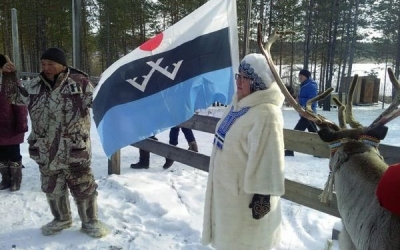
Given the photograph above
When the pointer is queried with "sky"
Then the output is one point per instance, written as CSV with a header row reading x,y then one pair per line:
x,y
163,209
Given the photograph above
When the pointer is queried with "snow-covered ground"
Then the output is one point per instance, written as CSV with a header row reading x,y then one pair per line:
x,y
163,209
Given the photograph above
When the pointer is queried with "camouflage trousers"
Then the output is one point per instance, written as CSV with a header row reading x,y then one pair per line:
x,y
79,180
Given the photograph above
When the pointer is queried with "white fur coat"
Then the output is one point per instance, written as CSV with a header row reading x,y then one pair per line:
x,y
251,161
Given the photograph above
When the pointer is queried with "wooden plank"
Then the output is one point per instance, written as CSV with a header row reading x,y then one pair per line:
x,y
296,192
308,196
310,143
305,142
299,141
357,91
201,123
376,90
114,164
184,156
390,153
367,89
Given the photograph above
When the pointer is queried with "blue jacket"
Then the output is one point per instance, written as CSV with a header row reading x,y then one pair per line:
x,y
308,90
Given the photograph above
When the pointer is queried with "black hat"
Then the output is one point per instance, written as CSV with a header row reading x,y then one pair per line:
x,y
56,55
305,73
3,60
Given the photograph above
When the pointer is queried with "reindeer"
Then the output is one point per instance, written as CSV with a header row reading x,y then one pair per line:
x,y
355,164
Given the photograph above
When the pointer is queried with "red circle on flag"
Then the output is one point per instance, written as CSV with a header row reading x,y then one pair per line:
x,y
153,43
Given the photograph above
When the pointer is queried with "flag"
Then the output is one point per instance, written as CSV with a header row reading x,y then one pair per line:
x,y
161,83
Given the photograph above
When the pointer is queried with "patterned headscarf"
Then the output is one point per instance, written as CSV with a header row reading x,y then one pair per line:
x,y
255,67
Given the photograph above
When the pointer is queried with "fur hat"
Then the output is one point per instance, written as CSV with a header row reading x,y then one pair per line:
x,y
305,73
255,66
56,55
3,60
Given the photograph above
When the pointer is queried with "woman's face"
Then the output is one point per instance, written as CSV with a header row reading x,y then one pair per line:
x,y
243,83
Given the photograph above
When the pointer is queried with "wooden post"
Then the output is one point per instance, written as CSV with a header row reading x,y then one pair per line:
x,y
15,40
114,164
76,33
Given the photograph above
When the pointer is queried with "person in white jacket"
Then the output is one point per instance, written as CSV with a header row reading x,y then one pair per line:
x,y
246,173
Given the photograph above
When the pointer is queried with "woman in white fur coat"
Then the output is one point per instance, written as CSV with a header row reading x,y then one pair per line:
x,y
246,174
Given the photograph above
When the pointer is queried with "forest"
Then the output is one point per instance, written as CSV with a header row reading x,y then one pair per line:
x,y
330,35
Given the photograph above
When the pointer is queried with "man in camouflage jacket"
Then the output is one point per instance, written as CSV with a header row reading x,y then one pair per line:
x,y
58,102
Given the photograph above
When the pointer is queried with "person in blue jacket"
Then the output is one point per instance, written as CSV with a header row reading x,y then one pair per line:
x,y
308,90
173,140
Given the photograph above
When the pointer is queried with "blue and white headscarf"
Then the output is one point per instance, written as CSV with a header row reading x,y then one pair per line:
x,y
255,67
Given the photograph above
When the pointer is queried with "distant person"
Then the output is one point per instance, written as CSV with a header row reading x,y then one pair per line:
x,y
58,102
246,174
144,158
13,125
173,140
308,90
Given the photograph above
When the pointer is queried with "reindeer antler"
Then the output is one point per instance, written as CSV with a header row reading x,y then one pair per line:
x,y
392,111
277,35
307,113
346,111
349,105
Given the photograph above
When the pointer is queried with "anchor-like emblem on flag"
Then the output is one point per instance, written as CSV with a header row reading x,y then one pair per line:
x,y
155,67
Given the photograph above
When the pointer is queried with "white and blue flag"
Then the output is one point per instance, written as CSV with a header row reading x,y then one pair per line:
x,y
160,84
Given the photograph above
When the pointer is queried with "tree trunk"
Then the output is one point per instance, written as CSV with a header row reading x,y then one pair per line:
x,y
308,33
353,37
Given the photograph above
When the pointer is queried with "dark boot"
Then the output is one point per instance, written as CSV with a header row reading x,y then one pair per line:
x,y
16,175
289,153
193,146
168,163
5,175
87,209
144,158
62,215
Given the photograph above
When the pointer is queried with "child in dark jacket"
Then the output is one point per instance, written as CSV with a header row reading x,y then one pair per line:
x,y
13,125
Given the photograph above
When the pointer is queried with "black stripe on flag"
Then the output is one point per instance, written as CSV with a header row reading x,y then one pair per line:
x,y
204,54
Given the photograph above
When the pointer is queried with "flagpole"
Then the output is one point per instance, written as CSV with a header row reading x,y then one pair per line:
x,y
246,29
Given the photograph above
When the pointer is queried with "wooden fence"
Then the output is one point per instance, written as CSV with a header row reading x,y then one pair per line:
x,y
303,142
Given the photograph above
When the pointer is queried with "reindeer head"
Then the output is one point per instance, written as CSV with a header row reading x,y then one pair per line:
x,y
328,130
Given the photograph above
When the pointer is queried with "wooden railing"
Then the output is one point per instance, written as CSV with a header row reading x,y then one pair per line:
x,y
303,142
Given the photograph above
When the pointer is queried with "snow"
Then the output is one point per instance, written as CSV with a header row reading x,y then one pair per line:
x,y
163,209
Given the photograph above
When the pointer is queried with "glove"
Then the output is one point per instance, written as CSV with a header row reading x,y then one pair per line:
x,y
260,205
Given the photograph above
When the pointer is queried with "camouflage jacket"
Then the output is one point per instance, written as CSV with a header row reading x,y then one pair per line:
x,y
60,118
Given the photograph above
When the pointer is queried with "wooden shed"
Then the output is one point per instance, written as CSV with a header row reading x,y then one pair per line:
x,y
367,89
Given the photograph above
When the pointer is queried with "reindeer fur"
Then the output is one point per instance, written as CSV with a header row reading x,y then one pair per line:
x,y
357,169
356,164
